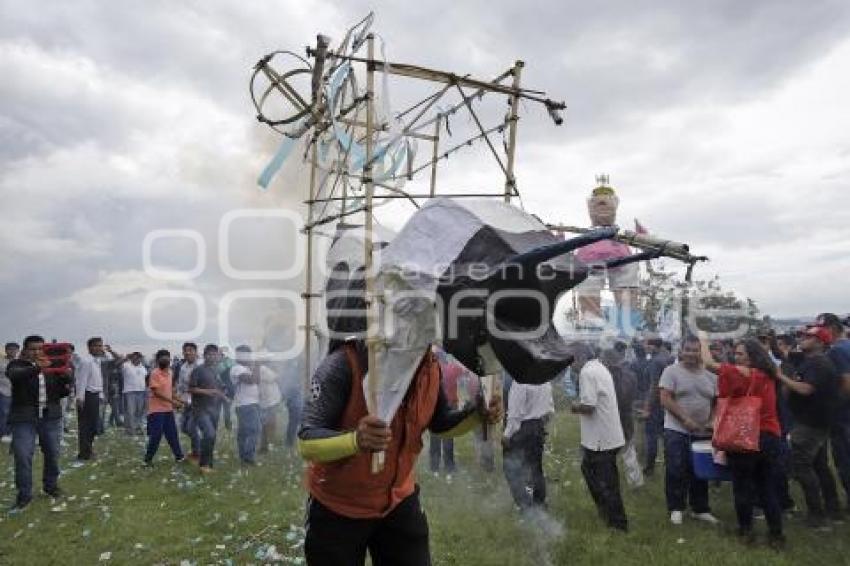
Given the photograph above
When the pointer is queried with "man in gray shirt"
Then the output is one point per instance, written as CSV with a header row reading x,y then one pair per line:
x,y
687,391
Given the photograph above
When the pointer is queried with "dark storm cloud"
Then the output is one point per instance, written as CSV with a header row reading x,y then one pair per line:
x,y
118,118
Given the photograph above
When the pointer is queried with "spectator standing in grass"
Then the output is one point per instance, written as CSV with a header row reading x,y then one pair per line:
x,y
134,375
756,476
35,413
687,392
439,448
813,399
11,352
161,405
270,399
207,395
90,392
839,354
601,435
246,377
183,374
625,385
529,407
658,358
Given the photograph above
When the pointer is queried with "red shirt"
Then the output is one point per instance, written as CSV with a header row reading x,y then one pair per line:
x,y
732,383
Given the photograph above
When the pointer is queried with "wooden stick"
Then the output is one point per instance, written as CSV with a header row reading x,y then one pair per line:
x,y
424,73
372,340
435,155
490,387
308,283
510,179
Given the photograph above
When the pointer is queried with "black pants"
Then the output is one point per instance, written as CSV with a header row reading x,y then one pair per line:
x,y
756,478
810,467
522,462
87,420
603,480
399,539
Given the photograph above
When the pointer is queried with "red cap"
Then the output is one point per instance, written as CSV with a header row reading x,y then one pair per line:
x,y
821,333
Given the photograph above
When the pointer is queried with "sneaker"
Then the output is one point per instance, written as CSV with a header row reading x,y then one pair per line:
x,y
758,514
706,518
180,460
676,517
6,440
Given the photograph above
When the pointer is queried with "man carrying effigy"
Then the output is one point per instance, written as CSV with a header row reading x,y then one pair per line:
x,y
350,509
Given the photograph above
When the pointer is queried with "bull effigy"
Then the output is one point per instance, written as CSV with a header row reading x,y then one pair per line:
x,y
469,271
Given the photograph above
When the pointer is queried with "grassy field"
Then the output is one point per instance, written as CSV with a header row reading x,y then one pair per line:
x,y
115,511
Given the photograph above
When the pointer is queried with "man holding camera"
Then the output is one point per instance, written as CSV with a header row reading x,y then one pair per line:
x,y
35,412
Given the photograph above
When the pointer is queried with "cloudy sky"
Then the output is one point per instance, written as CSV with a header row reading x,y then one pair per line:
x,y
723,124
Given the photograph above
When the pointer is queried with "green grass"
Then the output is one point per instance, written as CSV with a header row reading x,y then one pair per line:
x,y
170,514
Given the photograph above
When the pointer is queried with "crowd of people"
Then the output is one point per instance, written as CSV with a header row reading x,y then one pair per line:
x,y
188,395
802,381
670,391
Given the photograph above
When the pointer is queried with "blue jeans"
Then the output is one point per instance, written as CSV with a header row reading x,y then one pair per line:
x,y
188,427
160,424
206,423
134,410
23,447
840,440
5,405
294,403
653,428
680,482
248,428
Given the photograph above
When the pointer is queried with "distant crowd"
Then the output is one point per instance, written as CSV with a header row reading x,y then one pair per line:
x,y
628,396
190,394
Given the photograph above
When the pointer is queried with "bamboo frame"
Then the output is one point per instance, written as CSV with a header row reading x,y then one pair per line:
x,y
510,180
372,298
348,114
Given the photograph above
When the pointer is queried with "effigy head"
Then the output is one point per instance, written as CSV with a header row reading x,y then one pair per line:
x,y
479,277
602,206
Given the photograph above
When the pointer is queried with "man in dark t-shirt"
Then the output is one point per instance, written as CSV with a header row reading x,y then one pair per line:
x,y
207,394
839,438
812,400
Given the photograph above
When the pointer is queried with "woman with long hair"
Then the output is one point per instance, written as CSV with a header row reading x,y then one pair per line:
x,y
755,475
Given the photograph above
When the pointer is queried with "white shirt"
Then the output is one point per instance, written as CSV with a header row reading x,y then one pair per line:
x,y
526,402
5,384
600,430
269,388
134,377
186,370
246,393
88,376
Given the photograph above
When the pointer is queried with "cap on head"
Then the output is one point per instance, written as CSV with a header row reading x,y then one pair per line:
x,y
821,333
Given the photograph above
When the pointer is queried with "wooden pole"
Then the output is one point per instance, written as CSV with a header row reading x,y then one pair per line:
x,y
372,332
308,292
435,154
510,178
